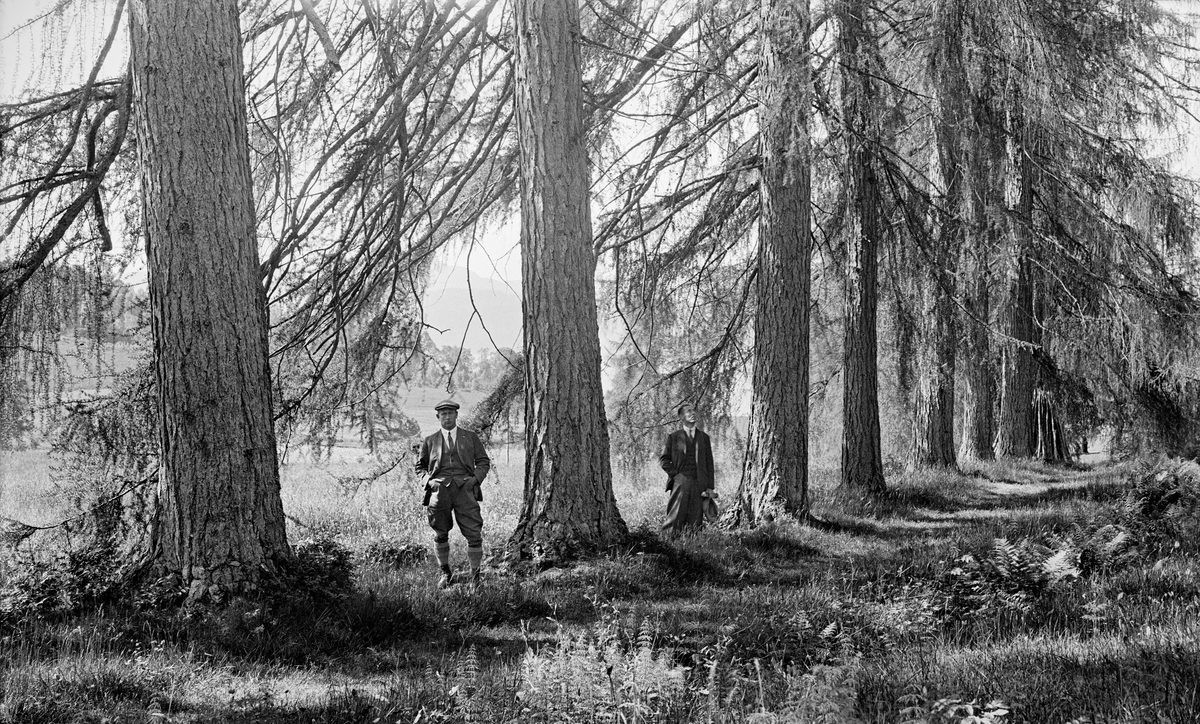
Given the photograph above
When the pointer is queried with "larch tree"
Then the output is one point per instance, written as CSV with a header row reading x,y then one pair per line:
x,y
862,455
984,198
219,521
933,415
568,505
1082,84
1018,373
775,471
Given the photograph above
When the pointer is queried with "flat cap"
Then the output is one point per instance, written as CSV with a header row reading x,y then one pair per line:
x,y
445,405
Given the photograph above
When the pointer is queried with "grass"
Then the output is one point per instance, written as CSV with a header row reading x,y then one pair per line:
x,y
27,489
938,599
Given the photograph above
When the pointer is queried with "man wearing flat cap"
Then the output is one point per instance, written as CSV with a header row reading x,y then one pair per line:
x,y
453,463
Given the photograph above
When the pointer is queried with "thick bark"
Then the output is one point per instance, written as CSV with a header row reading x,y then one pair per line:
x,y
1015,427
933,414
933,411
985,197
775,472
1030,423
219,522
978,377
568,504
862,453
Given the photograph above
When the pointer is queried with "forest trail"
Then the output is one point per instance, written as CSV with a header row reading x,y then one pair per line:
x,y
1012,495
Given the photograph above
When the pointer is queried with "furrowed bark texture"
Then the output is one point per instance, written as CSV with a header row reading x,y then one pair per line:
x,y
862,453
568,503
978,377
219,521
985,199
775,473
933,416
1016,426
1031,425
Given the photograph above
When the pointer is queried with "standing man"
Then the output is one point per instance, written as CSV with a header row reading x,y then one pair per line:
x,y
454,464
688,462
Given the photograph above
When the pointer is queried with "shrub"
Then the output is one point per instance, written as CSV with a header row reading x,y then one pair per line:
x,y
1161,509
323,570
1007,576
72,582
1157,513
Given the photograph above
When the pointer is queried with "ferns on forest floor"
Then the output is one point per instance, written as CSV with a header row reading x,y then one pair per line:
x,y
930,615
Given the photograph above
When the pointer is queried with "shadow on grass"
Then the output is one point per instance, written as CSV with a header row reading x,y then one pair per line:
x,y
1000,494
944,503
778,543
1045,681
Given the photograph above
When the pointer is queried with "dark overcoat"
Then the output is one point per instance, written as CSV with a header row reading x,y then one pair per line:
x,y
674,451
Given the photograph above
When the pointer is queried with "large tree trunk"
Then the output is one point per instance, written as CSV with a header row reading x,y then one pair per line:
x,y
219,522
985,198
933,414
775,472
933,411
978,378
1018,372
1030,424
862,454
568,506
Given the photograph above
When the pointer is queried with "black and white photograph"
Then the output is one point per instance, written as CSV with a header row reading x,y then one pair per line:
x,y
600,361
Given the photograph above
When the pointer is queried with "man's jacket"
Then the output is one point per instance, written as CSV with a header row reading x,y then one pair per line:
x,y
671,459
470,455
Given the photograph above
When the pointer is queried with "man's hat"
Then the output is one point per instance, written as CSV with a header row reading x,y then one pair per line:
x,y
445,405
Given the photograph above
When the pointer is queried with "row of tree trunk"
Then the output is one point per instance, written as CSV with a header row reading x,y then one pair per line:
x,y
220,526
980,214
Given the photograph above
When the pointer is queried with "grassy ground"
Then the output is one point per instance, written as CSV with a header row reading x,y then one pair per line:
x,y
1009,593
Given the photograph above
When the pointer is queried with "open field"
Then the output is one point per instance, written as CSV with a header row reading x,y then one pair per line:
x,y
907,609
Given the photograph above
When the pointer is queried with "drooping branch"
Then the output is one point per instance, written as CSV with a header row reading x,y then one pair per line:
x,y
28,261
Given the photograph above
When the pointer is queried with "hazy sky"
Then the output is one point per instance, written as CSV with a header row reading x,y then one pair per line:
x,y
41,47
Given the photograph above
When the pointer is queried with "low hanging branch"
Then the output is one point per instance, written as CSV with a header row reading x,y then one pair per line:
x,y
14,274
14,532
26,261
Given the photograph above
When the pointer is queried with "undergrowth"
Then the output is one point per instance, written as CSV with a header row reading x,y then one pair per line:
x,y
882,616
